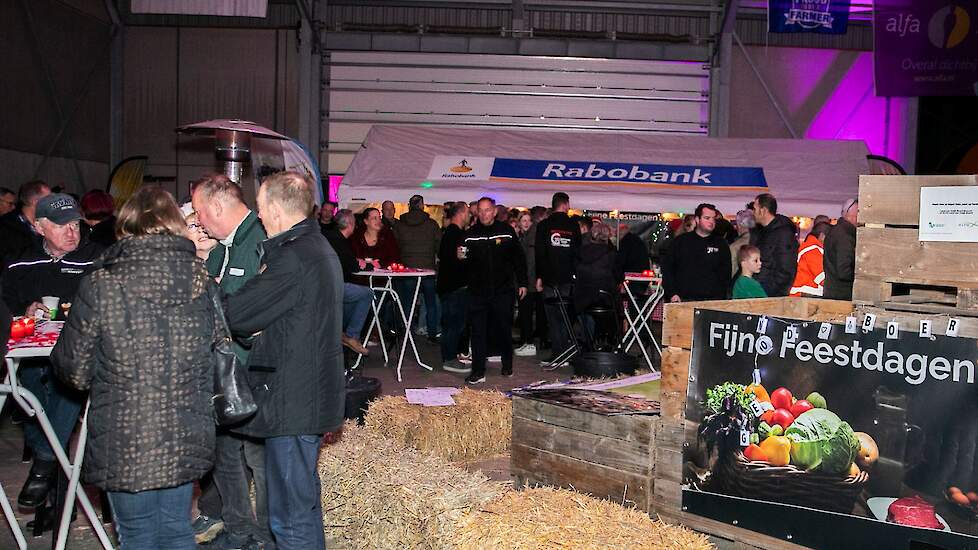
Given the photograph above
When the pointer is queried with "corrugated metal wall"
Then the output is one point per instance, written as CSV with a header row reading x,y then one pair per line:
x,y
367,88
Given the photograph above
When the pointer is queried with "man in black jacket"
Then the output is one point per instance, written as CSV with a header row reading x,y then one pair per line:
x,y
54,268
776,237
451,285
839,260
295,369
696,265
493,260
356,298
17,232
557,240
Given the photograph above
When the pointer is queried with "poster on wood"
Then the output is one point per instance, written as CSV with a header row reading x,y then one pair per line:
x,y
874,431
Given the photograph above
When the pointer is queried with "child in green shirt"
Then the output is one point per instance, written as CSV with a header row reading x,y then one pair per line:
x,y
745,286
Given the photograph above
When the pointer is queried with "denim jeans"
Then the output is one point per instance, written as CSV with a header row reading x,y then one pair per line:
x,y
157,519
405,290
454,311
61,404
294,509
228,497
356,306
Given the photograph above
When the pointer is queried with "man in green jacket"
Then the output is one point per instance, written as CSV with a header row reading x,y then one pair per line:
x,y
222,212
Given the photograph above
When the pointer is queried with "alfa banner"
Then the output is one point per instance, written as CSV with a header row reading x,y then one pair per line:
x,y
820,16
832,436
925,47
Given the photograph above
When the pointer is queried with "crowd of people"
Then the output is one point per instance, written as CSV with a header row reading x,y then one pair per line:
x,y
141,325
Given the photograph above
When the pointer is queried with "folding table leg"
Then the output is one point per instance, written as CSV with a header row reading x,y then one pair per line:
x,y
8,514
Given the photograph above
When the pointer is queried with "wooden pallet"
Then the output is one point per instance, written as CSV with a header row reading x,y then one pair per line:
x,y
608,457
897,271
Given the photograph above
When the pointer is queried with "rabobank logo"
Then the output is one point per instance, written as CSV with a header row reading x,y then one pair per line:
x,y
948,26
634,174
460,167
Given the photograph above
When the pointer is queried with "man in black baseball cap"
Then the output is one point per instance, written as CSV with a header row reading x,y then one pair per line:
x,y
52,268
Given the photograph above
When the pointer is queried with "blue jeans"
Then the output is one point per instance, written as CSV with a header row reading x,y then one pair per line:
x,y
405,289
454,311
294,510
60,403
157,519
356,306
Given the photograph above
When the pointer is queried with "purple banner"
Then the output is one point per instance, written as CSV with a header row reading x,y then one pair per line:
x,y
926,47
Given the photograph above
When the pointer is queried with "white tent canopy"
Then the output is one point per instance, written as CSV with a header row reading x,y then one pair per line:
x,y
603,171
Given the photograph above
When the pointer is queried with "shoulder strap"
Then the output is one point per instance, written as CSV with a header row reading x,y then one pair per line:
x,y
215,295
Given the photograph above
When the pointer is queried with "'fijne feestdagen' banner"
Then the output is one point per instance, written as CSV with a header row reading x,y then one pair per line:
x,y
819,16
909,403
534,171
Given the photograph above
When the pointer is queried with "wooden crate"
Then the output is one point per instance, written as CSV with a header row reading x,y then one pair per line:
x,y
893,267
608,457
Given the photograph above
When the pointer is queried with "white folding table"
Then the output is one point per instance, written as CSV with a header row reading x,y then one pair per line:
x,y
32,407
380,294
638,327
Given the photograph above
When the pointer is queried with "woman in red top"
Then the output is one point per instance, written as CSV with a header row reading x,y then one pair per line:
x,y
374,241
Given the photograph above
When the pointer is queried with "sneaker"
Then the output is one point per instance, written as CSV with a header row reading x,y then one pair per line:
x,y
436,339
473,379
548,365
231,541
421,331
507,371
455,366
206,528
526,350
465,359
495,359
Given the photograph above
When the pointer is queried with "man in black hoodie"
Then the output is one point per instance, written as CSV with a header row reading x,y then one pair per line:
x,y
775,236
557,241
451,285
494,262
697,264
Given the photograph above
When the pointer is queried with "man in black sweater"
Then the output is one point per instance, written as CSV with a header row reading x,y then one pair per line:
x,y
557,241
697,264
451,287
54,267
494,262
356,298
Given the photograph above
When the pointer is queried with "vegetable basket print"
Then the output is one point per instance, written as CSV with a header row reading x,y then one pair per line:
x,y
838,429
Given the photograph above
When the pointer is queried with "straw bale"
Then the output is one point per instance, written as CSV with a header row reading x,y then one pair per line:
x,y
377,493
478,426
557,518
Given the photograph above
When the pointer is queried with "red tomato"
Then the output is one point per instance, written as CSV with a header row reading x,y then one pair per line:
x,y
783,417
800,406
781,398
768,417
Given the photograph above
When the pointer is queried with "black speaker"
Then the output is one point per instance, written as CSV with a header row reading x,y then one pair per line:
x,y
603,364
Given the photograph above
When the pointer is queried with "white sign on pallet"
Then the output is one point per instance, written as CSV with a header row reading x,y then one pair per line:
x,y
949,214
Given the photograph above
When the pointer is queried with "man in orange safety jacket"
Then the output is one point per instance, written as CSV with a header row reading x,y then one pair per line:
x,y
810,275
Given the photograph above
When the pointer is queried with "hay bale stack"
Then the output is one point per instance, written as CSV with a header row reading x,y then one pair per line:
x,y
379,494
478,426
557,518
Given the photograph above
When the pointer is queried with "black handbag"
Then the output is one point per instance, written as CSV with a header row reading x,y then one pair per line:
x,y
233,401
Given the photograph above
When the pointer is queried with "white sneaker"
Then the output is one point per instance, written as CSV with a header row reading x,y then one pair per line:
x,y
465,359
526,350
495,359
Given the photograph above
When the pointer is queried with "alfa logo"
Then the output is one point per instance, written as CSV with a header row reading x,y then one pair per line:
x,y
461,168
948,26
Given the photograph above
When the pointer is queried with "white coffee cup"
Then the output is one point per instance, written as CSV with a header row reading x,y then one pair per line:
x,y
51,303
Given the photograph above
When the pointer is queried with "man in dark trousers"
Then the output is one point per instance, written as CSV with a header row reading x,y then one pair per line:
x,y
776,237
221,210
557,240
452,287
697,264
294,307
54,267
839,260
496,276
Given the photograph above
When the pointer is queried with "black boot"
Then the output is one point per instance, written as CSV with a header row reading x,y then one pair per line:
x,y
38,483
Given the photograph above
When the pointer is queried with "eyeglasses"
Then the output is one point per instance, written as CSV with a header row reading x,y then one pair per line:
x,y
194,226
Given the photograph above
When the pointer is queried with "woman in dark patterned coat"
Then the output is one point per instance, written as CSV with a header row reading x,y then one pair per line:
x,y
138,337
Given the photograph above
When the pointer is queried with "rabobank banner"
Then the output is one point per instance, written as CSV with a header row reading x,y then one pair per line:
x,y
620,173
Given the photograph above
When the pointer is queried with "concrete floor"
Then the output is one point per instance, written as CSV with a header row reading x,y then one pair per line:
x,y
13,472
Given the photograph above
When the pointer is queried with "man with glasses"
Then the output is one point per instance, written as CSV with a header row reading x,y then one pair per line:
x,y
55,267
